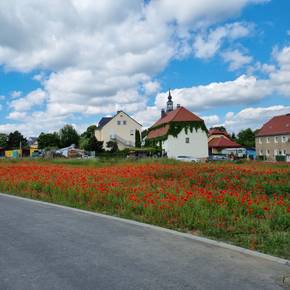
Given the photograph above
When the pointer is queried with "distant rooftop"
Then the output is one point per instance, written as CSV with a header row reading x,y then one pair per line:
x,y
278,125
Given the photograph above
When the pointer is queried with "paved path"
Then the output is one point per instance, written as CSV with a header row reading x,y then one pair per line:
x,y
47,247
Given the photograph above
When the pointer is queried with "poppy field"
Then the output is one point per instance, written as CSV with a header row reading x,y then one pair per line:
x,y
245,204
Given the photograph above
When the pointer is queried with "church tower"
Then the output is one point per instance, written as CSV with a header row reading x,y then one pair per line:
x,y
169,103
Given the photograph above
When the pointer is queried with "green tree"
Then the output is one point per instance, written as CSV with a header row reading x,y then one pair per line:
x,y
68,136
246,138
144,133
3,140
15,140
49,140
113,146
233,137
221,128
137,139
89,141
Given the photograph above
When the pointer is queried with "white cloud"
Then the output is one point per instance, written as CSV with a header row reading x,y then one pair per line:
x,y
207,45
148,116
253,118
211,121
244,89
16,94
151,87
34,98
236,59
96,56
18,116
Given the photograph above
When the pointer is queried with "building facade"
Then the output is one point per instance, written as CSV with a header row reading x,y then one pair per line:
x,y
273,139
179,132
219,140
120,128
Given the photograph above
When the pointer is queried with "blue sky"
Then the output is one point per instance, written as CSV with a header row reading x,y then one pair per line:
x,y
74,62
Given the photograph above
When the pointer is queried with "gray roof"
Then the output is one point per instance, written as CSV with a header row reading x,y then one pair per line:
x,y
104,121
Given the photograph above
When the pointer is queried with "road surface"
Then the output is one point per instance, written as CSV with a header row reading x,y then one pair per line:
x,y
47,247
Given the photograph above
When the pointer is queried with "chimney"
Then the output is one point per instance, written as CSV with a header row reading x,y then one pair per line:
x,y
178,106
163,114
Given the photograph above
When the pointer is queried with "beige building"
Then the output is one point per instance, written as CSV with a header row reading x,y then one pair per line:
x,y
273,139
120,128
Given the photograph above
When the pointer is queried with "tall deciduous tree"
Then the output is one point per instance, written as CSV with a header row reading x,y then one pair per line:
x,y
15,140
246,138
49,140
68,136
3,140
89,142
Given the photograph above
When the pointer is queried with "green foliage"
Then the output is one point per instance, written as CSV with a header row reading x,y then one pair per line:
x,y
137,139
144,133
68,136
280,158
3,140
113,146
89,142
175,128
49,140
15,140
246,138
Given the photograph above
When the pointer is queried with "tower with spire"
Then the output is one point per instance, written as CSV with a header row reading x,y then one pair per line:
x,y
169,103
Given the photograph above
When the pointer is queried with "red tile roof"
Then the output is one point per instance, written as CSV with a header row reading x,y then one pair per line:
x,y
278,125
222,142
215,131
178,115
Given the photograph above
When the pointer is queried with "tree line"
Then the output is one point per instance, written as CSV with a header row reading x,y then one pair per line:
x,y
88,142
64,138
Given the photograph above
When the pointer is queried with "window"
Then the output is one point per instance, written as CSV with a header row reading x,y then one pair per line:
x,y
132,132
124,122
119,122
284,139
261,152
268,152
276,139
284,152
268,140
187,140
280,152
275,152
260,141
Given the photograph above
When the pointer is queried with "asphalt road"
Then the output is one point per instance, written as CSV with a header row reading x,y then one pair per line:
x,y
46,247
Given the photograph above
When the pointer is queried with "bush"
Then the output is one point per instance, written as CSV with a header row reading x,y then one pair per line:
x,y
281,158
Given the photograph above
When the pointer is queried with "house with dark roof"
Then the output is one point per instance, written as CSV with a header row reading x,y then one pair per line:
x,y
179,132
120,128
273,139
219,140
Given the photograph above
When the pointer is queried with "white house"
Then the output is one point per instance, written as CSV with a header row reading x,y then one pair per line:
x,y
120,128
180,133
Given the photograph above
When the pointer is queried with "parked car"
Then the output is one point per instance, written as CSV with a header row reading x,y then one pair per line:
x,y
217,158
187,158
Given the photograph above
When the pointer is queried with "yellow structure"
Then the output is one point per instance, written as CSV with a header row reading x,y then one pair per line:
x,y
13,153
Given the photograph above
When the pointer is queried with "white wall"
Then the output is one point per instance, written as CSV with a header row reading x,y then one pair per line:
x,y
197,146
126,131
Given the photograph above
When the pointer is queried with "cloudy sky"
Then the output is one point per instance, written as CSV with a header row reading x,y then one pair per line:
x,y
74,61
